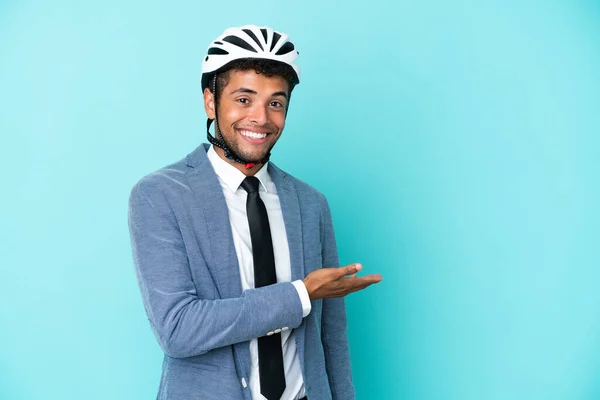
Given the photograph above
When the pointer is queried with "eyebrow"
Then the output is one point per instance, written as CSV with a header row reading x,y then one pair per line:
x,y
250,91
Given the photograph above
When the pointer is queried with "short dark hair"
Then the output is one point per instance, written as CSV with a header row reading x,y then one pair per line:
x,y
263,66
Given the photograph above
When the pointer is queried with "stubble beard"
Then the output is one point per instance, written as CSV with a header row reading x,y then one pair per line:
x,y
235,148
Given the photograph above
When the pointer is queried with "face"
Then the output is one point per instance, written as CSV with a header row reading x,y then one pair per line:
x,y
251,112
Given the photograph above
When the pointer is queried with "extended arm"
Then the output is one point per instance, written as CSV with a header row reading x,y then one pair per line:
x,y
184,324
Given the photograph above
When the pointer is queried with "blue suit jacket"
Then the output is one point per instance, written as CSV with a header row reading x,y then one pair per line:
x,y
188,274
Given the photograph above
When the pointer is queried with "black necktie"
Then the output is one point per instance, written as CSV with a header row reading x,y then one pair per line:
x,y
270,357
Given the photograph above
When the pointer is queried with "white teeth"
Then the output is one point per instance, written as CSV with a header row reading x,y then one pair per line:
x,y
253,135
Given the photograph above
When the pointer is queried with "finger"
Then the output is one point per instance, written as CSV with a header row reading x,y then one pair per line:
x,y
360,283
349,270
372,277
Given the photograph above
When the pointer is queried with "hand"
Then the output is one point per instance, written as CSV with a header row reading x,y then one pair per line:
x,y
337,282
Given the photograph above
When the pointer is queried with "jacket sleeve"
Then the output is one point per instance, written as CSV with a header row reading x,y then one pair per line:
x,y
184,324
334,326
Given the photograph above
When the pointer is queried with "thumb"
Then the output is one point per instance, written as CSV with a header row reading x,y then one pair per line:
x,y
350,269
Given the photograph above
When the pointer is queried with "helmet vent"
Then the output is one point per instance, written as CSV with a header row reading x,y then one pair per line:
x,y
216,50
253,36
286,48
264,33
276,37
239,42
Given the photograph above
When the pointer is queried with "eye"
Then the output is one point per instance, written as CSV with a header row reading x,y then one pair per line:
x,y
276,104
243,100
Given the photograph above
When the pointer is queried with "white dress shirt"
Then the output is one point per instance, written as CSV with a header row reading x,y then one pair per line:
x,y
235,197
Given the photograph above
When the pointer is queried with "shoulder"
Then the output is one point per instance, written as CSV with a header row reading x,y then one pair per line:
x,y
162,179
170,181
307,194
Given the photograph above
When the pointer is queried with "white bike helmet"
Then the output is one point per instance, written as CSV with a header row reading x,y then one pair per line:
x,y
249,41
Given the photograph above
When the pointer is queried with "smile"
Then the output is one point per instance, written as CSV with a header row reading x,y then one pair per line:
x,y
253,135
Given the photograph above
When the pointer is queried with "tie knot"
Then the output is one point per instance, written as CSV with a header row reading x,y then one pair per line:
x,y
250,184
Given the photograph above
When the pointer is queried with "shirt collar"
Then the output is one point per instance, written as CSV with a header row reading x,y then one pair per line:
x,y
232,176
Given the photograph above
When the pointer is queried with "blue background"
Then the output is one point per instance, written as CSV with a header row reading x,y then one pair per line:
x,y
457,143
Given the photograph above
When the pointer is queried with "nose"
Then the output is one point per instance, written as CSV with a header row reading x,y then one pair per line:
x,y
259,115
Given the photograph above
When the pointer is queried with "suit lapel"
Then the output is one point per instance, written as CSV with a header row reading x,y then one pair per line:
x,y
206,187
290,207
224,266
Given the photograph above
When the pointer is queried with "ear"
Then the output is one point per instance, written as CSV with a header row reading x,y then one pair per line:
x,y
209,103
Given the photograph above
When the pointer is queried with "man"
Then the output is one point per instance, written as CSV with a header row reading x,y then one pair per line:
x,y
236,260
